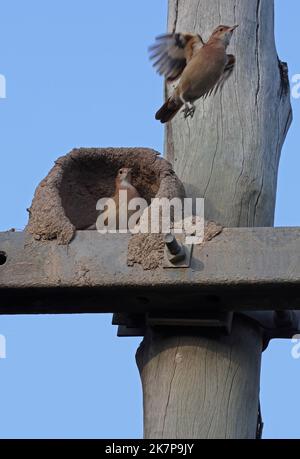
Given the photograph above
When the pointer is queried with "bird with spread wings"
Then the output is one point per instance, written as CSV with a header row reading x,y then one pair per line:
x,y
203,68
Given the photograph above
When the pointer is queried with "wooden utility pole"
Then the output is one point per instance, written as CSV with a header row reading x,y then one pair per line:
x,y
194,385
197,382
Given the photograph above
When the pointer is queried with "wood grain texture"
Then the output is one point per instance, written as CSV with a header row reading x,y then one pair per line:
x,y
200,387
229,152
206,386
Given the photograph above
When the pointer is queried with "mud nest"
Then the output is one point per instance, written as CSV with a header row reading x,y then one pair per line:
x,y
65,201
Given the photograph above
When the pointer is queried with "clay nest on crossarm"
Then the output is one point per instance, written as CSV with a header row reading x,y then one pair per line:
x,y
65,200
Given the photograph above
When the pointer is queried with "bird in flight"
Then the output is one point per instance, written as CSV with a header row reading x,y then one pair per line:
x,y
202,67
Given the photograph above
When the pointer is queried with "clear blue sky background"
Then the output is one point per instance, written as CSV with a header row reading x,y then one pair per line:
x,y
78,75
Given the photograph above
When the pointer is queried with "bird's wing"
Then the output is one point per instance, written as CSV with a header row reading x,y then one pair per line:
x,y
171,53
225,75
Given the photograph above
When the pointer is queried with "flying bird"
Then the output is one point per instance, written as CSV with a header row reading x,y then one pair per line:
x,y
123,182
202,67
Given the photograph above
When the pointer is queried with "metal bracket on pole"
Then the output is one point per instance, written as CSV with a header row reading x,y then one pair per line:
x,y
282,324
176,254
207,320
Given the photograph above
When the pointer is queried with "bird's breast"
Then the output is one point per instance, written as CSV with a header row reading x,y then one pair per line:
x,y
130,189
202,73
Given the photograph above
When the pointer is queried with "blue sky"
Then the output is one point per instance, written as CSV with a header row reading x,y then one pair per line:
x,y
78,74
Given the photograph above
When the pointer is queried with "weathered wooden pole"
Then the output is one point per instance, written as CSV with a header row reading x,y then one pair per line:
x,y
196,386
229,152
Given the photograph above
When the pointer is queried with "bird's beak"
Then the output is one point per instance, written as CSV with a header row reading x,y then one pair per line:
x,y
233,28
129,173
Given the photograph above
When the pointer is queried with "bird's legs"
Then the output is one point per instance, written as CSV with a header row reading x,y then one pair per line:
x,y
189,109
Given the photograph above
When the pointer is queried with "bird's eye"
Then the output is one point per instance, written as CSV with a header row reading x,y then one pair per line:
x,y
120,172
221,30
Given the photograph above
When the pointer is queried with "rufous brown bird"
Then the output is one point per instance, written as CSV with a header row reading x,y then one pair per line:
x,y
123,182
202,67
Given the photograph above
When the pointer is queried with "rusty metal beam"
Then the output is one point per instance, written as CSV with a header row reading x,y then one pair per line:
x,y
240,270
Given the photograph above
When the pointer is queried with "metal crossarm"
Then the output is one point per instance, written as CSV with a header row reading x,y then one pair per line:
x,y
240,270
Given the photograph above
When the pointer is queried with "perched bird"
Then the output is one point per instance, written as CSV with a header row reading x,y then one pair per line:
x,y
202,67
122,183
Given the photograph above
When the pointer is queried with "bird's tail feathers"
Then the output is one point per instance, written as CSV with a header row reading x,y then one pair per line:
x,y
168,110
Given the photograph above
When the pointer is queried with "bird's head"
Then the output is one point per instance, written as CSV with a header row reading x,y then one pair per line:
x,y
223,33
124,174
